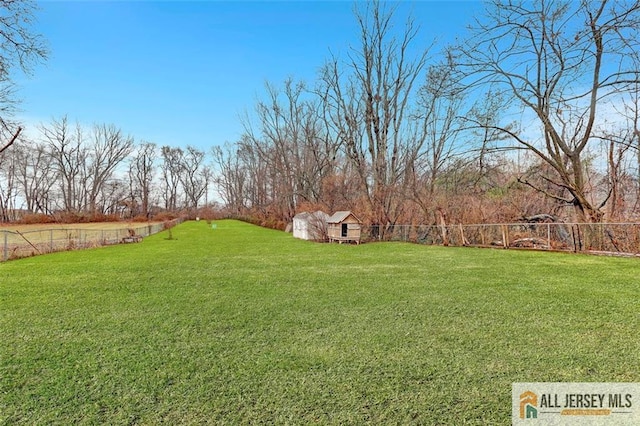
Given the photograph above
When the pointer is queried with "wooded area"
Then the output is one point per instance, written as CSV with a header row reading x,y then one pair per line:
x,y
535,111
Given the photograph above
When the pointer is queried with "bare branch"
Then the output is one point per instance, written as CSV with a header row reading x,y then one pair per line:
x,y
11,141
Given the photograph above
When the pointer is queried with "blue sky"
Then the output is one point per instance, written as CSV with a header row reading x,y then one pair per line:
x,y
182,73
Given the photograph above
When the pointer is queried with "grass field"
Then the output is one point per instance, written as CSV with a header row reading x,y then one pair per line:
x,y
241,324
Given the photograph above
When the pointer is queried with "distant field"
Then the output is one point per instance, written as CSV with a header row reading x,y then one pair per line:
x,y
27,240
97,225
244,325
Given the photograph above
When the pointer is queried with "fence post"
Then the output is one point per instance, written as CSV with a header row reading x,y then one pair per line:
x,y
577,238
505,238
6,246
51,240
549,235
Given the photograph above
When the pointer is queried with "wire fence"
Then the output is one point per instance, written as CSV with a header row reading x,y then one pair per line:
x,y
16,244
610,238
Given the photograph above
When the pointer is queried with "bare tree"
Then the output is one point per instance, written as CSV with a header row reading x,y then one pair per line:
x,y
439,119
258,184
68,152
35,175
108,150
193,176
292,141
20,48
632,138
370,108
620,137
230,177
272,141
8,185
171,169
7,133
112,195
560,63
141,174
208,177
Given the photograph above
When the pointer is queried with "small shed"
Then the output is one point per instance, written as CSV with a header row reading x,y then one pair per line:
x,y
310,226
344,226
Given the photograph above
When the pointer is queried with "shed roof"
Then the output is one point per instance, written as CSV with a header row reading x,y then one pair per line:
x,y
318,215
338,217
321,215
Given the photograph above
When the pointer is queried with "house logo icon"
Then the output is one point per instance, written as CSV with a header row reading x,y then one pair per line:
x,y
528,405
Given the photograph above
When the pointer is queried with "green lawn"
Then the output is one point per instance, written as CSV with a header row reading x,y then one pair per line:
x,y
241,324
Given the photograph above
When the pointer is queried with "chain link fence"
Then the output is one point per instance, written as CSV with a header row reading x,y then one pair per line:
x,y
611,238
17,244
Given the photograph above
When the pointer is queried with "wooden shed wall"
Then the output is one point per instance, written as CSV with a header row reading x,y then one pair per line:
x,y
353,230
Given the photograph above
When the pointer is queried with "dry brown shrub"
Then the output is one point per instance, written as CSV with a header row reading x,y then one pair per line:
x,y
307,206
140,219
165,216
36,218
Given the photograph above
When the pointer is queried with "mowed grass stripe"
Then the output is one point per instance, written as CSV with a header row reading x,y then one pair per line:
x,y
241,324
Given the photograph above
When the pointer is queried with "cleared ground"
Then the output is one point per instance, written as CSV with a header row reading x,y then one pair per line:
x,y
18,241
96,225
240,324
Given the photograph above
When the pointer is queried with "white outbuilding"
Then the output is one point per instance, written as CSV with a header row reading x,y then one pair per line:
x,y
310,226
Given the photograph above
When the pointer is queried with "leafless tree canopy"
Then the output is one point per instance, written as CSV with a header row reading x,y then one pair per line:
x,y
529,114
565,64
20,49
533,113
141,176
194,176
369,102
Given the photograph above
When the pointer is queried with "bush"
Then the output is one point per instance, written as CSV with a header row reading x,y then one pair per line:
x,y
35,218
164,216
140,218
83,217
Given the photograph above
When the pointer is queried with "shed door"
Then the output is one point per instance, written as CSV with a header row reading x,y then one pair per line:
x,y
344,229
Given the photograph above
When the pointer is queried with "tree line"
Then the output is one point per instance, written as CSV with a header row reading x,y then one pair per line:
x,y
98,171
534,111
